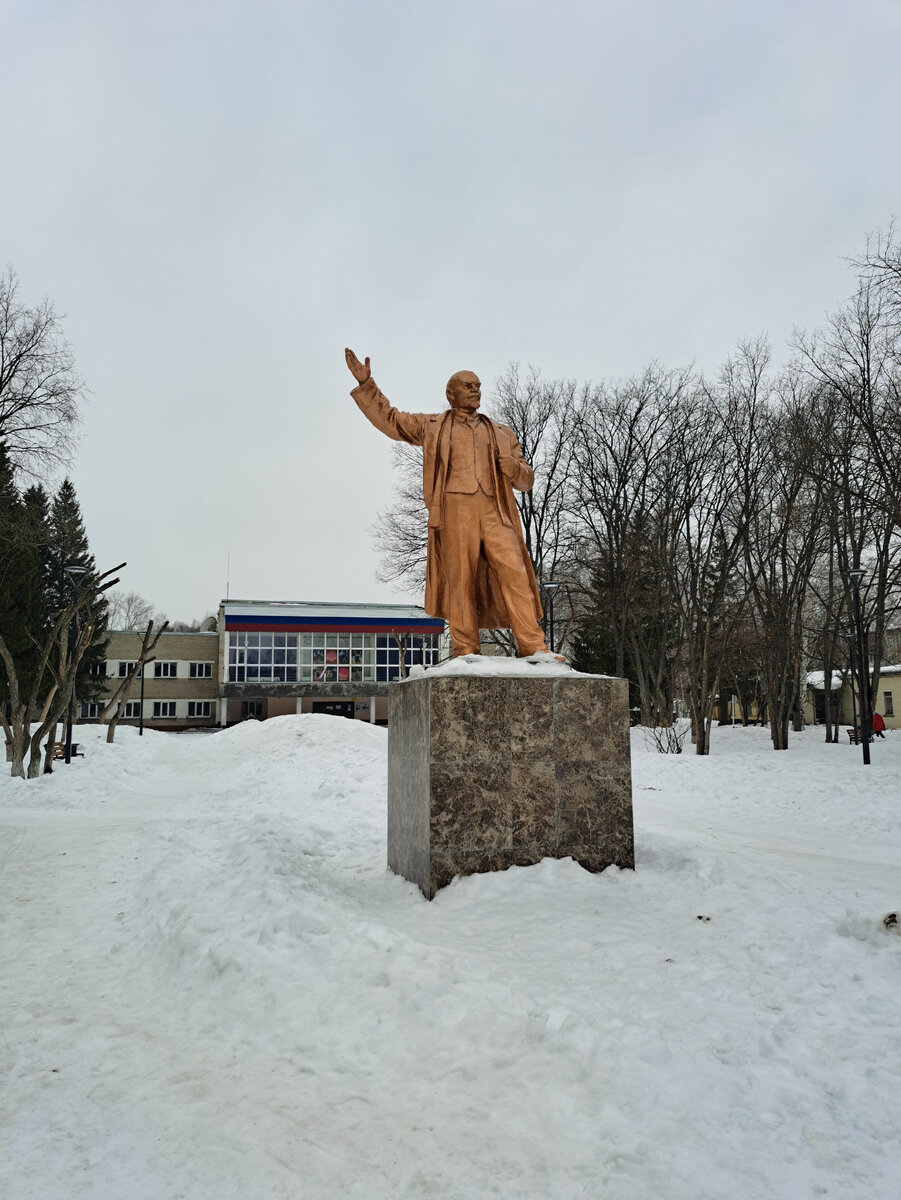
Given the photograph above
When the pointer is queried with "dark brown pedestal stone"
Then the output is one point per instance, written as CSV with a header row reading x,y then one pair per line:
x,y
485,772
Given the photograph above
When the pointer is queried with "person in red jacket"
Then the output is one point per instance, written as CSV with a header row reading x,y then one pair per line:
x,y
878,725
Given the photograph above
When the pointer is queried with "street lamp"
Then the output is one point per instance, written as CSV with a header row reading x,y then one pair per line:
x,y
550,587
852,650
76,574
855,575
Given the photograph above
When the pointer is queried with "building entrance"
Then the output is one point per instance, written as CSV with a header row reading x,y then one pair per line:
x,y
335,708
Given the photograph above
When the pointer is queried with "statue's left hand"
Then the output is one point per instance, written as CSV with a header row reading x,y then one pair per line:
x,y
360,371
509,466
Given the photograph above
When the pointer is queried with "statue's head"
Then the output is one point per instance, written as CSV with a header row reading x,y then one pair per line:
x,y
464,391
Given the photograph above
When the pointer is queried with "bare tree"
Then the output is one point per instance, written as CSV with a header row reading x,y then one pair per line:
x,y
60,654
129,611
785,536
856,362
622,436
115,707
401,531
39,389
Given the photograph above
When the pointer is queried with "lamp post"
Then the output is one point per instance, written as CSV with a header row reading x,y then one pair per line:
x,y
76,574
141,713
851,654
863,681
550,587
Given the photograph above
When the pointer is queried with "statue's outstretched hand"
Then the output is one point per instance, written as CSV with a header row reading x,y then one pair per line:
x,y
360,371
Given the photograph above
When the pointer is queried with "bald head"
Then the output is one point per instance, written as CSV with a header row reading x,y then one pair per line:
x,y
464,391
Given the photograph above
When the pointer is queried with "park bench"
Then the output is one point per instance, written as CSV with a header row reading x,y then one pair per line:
x,y
59,750
854,735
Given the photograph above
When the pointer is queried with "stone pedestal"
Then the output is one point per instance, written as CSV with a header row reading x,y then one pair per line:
x,y
485,772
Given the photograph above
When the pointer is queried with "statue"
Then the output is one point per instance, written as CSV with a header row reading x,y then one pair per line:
x,y
478,573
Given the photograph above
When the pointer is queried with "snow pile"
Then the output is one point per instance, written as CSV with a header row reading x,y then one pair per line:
x,y
212,987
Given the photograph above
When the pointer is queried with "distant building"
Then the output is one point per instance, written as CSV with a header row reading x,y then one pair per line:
x,y
270,658
180,687
301,657
843,698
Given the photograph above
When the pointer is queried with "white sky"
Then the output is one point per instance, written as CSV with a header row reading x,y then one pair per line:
x,y
220,196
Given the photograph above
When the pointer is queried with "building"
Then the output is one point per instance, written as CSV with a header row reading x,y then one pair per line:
x,y
266,659
843,698
278,658
180,687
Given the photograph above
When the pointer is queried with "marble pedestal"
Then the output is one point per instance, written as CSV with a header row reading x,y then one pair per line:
x,y
487,772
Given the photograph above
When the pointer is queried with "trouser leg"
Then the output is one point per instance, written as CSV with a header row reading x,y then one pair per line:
x,y
504,554
460,544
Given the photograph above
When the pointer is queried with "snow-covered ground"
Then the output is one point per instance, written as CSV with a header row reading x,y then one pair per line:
x,y
212,987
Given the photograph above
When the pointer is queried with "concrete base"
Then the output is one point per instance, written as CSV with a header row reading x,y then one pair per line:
x,y
487,772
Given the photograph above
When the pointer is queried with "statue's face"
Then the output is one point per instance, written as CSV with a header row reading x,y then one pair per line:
x,y
464,391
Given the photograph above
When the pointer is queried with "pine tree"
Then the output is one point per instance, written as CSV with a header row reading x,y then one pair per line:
x,y
67,546
22,610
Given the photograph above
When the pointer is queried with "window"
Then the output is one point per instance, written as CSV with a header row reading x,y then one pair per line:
x,y
421,650
200,670
336,657
252,710
97,670
132,709
89,711
199,708
262,657
888,704
165,670
164,708
125,667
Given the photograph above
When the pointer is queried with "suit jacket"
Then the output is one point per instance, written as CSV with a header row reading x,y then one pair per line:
x,y
432,431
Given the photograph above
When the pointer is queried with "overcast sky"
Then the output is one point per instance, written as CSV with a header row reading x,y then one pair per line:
x,y
221,195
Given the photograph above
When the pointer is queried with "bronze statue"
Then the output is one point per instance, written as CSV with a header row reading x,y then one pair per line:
x,y
478,573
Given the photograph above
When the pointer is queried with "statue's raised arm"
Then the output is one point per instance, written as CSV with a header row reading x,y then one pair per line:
x,y
359,370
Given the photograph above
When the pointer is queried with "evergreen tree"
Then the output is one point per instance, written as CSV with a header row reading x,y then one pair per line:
x,y
22,610
67,546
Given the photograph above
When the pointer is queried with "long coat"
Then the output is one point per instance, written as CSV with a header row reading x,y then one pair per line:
x,y
432,431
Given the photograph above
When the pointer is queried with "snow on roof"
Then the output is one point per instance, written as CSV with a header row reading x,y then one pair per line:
x,y
815,679
302,608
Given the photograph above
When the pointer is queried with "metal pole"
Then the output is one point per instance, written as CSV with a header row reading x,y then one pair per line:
x,y
550,588
862,673
72,693
851,654
75,573
141,713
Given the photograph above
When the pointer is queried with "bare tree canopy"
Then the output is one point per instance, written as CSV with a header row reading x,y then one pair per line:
x,y
39,389
129,611
701,531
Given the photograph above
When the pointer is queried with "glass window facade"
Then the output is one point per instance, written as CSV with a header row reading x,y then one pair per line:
x,y
337,657
262,657
323,657
421,650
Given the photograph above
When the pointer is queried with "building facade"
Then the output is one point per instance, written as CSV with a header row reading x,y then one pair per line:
x,y
267,659
180,688
278,658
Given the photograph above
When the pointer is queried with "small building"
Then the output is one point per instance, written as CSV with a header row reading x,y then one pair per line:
x,y
300,657
842,697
